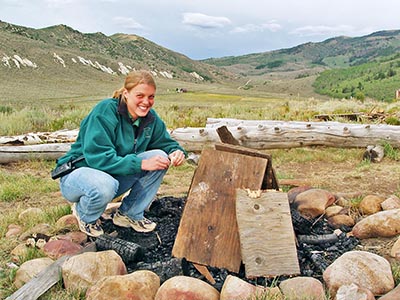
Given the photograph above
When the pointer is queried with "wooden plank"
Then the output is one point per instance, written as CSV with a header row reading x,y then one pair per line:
x,y
204,271
266,233
39,284
270,181
208,232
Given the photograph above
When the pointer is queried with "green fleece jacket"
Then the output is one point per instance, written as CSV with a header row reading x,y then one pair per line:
x,y
110,141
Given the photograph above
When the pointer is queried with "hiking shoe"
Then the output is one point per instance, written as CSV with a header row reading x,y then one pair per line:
x,y
93,230
143,225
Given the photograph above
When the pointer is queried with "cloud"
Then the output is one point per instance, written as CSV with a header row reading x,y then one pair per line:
x,y
127,23
11,2
270,26
323,30
59,2
204,21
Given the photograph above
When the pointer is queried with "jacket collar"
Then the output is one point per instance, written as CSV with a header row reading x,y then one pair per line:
x,y
123,111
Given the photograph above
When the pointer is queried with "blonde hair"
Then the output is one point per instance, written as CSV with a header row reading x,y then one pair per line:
x,y
133,79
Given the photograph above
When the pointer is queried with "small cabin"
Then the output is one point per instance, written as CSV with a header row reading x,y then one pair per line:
x,y
397,94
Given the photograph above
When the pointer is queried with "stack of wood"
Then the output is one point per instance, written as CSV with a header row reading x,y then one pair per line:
x,y
225,223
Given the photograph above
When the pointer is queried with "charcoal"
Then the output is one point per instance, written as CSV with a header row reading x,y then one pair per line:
x,y
128,251
164,269
157,246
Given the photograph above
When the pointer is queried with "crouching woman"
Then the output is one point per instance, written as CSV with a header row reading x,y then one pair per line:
x,y
125,147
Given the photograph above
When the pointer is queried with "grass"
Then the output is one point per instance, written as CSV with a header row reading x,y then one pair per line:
x,y
396,272
22,185
28,184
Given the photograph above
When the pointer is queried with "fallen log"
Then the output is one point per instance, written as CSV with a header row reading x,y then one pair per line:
x,y
34,138
254,134
266,134
28,152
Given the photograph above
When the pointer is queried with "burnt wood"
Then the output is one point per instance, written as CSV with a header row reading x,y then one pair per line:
x,y
318,239
129,252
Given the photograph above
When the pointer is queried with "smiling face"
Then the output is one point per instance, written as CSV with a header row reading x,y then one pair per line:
x,y
140,99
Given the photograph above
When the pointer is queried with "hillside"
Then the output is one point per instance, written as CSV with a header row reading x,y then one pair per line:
x,y
335,52
76,64
378,79
340,67
74,61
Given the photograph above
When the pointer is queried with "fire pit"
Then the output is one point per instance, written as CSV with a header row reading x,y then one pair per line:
x,y
317,245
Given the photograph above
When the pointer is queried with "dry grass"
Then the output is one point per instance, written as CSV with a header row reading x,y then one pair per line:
x,y
28,184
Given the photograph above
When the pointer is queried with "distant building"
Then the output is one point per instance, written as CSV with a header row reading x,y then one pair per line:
x,y
397,96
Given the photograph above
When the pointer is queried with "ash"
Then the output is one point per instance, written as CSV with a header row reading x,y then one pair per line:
x,y
167,211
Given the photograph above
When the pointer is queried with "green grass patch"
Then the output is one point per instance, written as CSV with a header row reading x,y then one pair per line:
x,y
17,187
396,272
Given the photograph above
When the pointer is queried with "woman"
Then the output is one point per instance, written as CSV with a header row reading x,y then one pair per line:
x,y
125,146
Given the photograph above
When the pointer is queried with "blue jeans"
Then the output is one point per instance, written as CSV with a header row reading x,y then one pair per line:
x,y
93,189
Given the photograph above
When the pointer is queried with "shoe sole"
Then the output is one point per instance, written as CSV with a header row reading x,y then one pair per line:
x,y
127,224
138,228
120,224
80,225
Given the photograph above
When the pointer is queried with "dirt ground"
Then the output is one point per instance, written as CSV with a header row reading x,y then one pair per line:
x,y
349,179
345,178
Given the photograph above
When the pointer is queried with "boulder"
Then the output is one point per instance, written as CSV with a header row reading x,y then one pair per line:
x,y
338,221
84,270
56,249
186,288
393,202
365,269
382,224
392,295
395,251
13,230
293,192
30,269
333,210
67,221
370,204
313,202
354,292
302,288
30,213
19,253
139,285
235,288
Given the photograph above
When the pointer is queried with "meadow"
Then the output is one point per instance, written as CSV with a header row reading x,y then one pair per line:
x,y
28,184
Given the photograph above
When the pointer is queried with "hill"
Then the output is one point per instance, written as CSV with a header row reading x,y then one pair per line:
x,y
340,67
73,61
378,79
76,64
335,52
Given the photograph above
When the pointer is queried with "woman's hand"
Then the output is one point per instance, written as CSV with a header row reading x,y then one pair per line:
x,y
177,158
157,162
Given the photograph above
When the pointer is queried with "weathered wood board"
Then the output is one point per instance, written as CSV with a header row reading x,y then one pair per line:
x,y
45,279
266,233
208,232
270,181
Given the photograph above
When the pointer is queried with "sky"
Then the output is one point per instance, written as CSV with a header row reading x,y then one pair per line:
x,y
203,29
